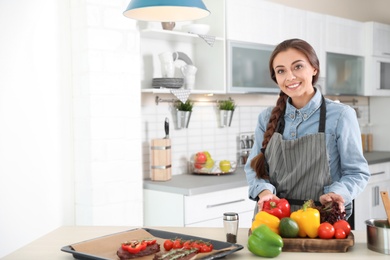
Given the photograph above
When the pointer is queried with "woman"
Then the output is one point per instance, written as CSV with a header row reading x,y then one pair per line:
x,y
306,147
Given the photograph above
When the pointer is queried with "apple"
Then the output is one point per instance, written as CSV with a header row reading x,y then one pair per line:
x,y
200,157
224,165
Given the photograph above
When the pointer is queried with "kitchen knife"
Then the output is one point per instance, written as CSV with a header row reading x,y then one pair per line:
x,y
166,127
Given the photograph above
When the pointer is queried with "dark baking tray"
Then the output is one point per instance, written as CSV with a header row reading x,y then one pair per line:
x,y
166,235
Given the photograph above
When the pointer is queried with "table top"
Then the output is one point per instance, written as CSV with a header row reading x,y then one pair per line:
x,y
49,246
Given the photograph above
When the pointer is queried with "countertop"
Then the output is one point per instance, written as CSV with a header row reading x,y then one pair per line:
x,y
377,157
49,246
191,184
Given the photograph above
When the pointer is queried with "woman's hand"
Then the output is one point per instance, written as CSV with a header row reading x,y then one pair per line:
x,y
333,197
264,196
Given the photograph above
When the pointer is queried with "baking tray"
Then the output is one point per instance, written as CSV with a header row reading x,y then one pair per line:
x,y
104,248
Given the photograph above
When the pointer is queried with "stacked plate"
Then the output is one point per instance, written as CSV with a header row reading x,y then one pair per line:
x,y
168,82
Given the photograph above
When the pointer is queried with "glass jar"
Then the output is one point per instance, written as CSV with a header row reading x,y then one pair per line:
x,y
230,223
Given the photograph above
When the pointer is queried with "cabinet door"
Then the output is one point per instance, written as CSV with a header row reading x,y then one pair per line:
x,y
369,203
381,38
344,36
250,21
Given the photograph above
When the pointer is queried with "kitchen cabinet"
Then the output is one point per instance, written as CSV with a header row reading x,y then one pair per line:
x,y
377,67
254,21
210,60
344,36
369,203
203,210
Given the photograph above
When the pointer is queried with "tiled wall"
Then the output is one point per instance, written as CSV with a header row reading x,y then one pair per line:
x,y
204,131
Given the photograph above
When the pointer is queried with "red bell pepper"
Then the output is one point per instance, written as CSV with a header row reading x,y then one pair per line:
x,y
279,208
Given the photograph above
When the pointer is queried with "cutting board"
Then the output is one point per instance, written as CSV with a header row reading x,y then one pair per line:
x,y
318,245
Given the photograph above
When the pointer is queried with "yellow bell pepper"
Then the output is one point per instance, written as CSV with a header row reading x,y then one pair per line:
x,y
266,218
308,220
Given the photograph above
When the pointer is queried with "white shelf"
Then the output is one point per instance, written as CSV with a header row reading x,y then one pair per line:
x,y
167,35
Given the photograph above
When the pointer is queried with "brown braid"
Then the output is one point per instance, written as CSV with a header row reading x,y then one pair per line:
x,y
258,162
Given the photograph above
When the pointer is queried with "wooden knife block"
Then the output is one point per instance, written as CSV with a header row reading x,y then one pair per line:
x,y
161,168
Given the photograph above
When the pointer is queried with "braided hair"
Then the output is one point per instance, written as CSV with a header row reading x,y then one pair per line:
x,y
258,163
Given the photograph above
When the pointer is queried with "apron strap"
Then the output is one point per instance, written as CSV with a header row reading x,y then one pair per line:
x,y
322,123
321,127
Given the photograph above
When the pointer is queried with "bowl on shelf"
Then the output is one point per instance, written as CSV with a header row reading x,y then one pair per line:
x,y
210,168
168,82
196,28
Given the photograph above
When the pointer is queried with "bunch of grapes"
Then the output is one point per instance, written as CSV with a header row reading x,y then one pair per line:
x,y
330,212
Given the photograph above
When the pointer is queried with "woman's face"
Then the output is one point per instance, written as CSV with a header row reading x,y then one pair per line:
x,y
294,75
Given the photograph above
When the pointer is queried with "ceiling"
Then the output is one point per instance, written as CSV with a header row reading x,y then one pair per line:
x,y
359,10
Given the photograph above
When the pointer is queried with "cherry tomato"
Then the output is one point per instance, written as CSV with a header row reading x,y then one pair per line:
x,y
205,248
168,244
344,225
196,244
187,244
340,233
177,244
326,230
150,241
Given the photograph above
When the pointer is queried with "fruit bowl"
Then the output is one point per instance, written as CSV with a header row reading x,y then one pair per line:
x,y
210,168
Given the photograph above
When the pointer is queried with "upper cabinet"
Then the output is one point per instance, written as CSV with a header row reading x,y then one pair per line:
x,y
377,65
344,36
254,21
206,52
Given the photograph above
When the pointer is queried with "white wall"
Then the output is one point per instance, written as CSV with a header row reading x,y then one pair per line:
x,y
70,134
36,192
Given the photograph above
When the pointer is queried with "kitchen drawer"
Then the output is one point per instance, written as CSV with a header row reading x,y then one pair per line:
x,y
212,205
244,221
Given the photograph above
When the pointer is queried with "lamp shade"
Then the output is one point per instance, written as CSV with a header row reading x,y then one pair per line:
x,y
166,10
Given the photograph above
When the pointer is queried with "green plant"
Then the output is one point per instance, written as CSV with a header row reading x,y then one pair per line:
x,y
226,104
187,106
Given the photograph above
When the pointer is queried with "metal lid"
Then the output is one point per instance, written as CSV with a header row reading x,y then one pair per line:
x,y
230,216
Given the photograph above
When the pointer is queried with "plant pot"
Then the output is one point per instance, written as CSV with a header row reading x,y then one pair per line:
x,y
183,118
226,117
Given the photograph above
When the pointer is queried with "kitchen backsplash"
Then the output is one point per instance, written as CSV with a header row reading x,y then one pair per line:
x,y
203,132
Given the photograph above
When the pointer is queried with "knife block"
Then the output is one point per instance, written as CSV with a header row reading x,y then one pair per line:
x,y
161,168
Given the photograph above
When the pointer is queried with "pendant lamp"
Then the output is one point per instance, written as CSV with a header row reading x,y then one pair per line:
x,y
166,10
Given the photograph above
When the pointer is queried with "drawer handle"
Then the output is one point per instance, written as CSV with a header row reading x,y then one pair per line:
x,y
224,203
377,173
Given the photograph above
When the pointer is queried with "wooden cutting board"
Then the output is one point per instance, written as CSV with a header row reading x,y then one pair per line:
x,y
318,245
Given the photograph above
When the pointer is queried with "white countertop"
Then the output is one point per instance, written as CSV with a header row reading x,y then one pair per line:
x,y
49,246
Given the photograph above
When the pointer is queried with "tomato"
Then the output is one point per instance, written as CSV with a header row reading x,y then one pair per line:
x,y
340,233
344,225
187,244
177,244
150,241
196,244
326,230
204,248
168,244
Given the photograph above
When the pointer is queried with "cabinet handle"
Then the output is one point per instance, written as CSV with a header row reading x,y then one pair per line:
x,y
224,203
377,173
385,53
375,196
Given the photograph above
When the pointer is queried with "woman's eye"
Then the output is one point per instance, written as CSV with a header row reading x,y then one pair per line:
x,y
298,66
279,71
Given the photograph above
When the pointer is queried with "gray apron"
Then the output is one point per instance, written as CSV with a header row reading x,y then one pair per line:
x,y
299,168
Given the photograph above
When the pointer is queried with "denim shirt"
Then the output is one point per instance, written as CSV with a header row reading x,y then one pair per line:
x,y
348,167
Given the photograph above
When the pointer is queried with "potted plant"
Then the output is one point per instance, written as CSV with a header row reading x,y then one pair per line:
x,y
226,108
183,112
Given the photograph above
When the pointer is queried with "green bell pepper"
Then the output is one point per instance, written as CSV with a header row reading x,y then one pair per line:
x,y
264,242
